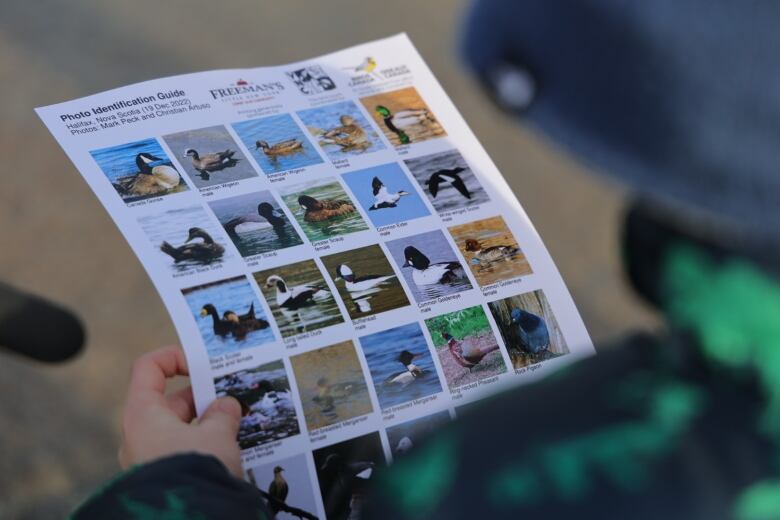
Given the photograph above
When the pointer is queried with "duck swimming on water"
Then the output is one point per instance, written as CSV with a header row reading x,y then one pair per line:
x,y
426,273
349,136
321,210
441,177
293,298
411,372
403,119
281,148
360,283
211,162
265,213
238,325
204,251
149,180
383,198
489,254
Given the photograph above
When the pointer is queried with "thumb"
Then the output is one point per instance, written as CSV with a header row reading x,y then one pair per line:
x,y
223,413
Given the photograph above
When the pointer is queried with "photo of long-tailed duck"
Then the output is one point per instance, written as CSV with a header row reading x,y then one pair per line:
x,y
186,239
323,209
447,181
386,194
256,223
491,250
209,156
366,281
139,170
299,297
429,265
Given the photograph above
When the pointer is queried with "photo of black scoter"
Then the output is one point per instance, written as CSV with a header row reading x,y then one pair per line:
x,y
384,198
232,323
211,162
201,251
447,176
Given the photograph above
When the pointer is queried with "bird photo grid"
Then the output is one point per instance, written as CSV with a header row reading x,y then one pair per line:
x,y
337,252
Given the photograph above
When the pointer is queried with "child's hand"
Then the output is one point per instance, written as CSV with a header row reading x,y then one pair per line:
x,y
156,425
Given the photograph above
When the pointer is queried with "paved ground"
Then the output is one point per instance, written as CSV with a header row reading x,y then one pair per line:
x,y
58,426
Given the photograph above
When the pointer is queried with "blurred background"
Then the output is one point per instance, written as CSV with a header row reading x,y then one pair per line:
x,y
60,427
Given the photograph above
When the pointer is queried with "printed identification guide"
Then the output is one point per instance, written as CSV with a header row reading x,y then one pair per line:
x,y
336,250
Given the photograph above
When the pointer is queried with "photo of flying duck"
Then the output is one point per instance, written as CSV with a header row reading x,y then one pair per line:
x,y
277,143
256,223
491,250
229,316
331,385
466,346
267,404
365,281
401,365
299,297
286,488
386,194
186,239
323,209
139,170
405,437
344,471
403,116
447,181
529,328
341,130
210,156
429,265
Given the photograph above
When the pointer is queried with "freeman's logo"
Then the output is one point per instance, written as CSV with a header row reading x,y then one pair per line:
x,y
245,91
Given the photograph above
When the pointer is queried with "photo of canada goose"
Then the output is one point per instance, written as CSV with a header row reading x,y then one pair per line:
x,y
447,181
323,209
139,170
403,116
186,239
331,385
345,471
466,346
529,328
267,404
229,316
366,281
286,488
341,130
386,194
401,365
277,143
299,297
405,437
491,250
429,265
255,223
209,156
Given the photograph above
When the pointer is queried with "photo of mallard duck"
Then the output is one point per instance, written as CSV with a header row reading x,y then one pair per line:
x,y
326,209
150,180
205,251
403,116
285,147
210,162
489,254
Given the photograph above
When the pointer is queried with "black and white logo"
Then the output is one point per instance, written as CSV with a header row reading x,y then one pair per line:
x,y
311,80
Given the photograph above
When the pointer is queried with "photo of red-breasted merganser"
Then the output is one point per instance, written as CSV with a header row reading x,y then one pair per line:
x,y
411,371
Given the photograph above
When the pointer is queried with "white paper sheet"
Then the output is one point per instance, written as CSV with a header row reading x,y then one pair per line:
x,y
320,368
